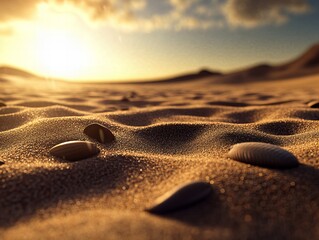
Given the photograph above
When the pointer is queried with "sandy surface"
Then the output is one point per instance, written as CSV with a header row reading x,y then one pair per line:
x,y
166,134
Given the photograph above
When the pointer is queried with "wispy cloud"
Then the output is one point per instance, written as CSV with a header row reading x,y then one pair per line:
x,y
133,15
182,5
17,9
252,13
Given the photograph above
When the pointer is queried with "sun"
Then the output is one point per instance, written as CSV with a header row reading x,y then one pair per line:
x,y
62,47
62,54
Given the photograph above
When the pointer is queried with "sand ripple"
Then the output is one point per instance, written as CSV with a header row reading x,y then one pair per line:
x,y
164,137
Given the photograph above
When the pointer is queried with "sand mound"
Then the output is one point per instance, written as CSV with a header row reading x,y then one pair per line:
x,y
310,59
16,72
165,135
304,65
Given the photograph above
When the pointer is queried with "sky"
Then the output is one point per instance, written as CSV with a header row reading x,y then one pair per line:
x,y
150,39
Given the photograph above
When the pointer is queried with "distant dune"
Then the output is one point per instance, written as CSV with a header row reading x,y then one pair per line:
x,y
304,65
15,71
307,63
204,73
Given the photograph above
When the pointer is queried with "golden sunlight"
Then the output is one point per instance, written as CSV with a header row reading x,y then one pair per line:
x,y
62,54
62,49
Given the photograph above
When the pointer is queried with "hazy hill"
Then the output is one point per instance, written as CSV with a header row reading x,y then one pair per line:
x,y
204,73
306,64
15,72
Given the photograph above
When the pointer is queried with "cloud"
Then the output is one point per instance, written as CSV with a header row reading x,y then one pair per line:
x,y
253,13
17,9
123,14
173,20
151,15
105,9
182,5
95,9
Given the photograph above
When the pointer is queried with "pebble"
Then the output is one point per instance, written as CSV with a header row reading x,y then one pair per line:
x,y
125,99
132,94
263,155
74,150
181,197
99,133
314,104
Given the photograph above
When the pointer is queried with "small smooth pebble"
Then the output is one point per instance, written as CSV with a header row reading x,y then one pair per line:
x,y
263,155
99,133
125,99
181,197
314,104
132,95
74,150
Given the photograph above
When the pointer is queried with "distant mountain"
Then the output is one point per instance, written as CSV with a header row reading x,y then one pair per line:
x,y
204,73
307,61
16,72
306,64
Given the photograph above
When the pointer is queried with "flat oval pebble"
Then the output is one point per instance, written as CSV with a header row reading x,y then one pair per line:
x,y
314,104
74,150
125,99
263,155
181,197
99,133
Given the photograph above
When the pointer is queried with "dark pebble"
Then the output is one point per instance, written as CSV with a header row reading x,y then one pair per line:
x,y
74,150
2,104
181,197
263,155
99,133
314,104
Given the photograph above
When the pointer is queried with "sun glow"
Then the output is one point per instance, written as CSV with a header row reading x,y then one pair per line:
x,y
61,54
62,50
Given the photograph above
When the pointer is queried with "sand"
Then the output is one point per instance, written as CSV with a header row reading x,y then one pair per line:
x,y
166,134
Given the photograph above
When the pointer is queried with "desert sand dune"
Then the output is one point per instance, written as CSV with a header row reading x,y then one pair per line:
x,y
15,72
308,60
306,64
166,134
